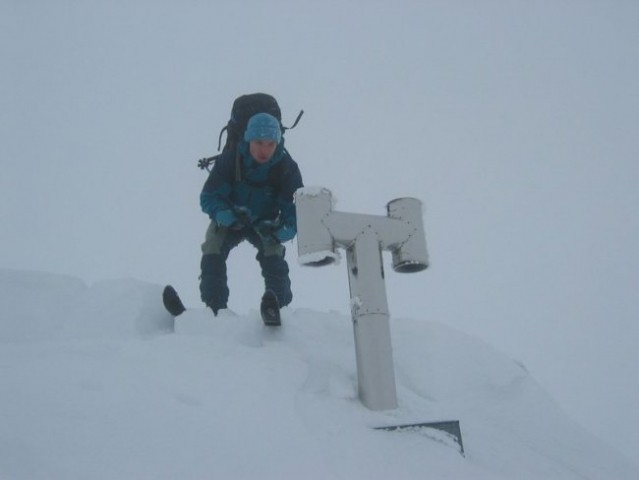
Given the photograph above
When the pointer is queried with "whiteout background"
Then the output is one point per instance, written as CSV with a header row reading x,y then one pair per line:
x,y
516,124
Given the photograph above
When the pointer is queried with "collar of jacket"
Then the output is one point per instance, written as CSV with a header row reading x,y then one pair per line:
x,y
249,161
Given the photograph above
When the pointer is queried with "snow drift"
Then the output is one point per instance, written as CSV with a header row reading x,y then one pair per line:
x,y
98,382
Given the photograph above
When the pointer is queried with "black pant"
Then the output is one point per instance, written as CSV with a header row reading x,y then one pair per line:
x,y
219,242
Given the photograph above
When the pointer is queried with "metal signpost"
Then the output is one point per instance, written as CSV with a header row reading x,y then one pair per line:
x,y
321,231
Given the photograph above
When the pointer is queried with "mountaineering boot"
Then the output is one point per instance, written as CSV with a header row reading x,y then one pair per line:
x,y
270,309
276,277
172,301
216,309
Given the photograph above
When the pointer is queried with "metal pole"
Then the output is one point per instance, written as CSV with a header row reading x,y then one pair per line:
x,y
369,307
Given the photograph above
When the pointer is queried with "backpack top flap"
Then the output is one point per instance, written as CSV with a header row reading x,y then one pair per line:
x,y
244,107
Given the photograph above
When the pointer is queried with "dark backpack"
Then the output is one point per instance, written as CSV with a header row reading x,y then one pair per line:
x,y
244,107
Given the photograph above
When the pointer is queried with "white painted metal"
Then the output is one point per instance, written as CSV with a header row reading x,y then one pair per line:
x,y
321,231
371,326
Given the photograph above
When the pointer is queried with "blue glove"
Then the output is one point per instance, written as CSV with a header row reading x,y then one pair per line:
x,y
226,218
285,233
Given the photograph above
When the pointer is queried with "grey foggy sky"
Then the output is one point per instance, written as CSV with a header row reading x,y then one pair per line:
x,y
515,123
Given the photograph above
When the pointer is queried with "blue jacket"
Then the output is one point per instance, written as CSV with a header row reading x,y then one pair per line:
x,y
265,190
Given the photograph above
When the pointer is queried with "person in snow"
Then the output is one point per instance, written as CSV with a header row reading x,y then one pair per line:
x,y
249,196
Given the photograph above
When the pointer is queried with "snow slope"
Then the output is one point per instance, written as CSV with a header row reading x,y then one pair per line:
x,y
97,382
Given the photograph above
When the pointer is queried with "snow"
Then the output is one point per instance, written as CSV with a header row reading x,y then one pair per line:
x,y
315,191
99,382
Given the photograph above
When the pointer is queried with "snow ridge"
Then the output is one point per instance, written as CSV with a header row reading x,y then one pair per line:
x,y
99,382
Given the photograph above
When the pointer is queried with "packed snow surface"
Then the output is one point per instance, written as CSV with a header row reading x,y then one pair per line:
x,y
99,382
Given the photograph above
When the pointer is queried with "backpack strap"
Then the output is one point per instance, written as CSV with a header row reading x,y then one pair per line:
x,y
219,139
297,120
239,168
